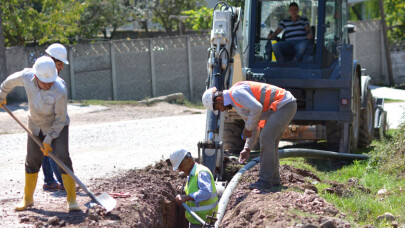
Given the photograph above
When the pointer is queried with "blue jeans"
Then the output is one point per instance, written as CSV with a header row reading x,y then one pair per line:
x,y
282,48
49,167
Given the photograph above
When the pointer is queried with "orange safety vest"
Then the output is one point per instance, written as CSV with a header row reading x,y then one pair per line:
x,y
268,95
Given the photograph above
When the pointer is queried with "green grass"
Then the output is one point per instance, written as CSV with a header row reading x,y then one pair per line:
x,y
385,170
105,102
187,103
392,100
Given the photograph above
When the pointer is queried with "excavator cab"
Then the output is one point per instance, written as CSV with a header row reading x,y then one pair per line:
x,y
326,20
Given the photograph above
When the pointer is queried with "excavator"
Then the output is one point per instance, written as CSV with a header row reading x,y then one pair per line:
x,y
334,100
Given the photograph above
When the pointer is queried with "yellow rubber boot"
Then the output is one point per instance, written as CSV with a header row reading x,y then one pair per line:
x,y
29,189
70,188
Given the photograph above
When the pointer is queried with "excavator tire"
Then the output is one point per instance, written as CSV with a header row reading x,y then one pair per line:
x,y
367,122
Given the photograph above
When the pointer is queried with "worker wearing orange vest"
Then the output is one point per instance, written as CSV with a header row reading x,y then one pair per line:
x,y
257,102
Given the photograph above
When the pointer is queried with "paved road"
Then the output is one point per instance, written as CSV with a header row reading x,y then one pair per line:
x,y
105,149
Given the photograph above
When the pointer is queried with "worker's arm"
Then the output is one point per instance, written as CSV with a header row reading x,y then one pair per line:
x,y
309,32
251,105
60,118
204,188
275,33
10,83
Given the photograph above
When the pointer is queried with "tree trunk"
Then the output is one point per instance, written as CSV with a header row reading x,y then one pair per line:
x,y
3,69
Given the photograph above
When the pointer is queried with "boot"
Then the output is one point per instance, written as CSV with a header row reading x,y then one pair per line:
x,y
70,188
30,184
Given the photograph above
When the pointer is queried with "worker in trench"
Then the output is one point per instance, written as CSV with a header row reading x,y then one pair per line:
x,y
263,106
201,194
48,120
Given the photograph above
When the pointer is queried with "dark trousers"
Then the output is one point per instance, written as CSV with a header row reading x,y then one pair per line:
x,y
60,146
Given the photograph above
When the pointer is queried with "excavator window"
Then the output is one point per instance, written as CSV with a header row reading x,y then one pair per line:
x,y
272,12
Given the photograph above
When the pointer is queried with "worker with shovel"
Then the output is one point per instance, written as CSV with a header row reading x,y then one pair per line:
x,y
201,194
48,120
257,102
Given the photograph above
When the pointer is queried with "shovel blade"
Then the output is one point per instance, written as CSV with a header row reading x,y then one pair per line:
x,y
107,201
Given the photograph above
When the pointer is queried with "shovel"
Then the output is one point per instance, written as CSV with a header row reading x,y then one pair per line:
x,y
104,199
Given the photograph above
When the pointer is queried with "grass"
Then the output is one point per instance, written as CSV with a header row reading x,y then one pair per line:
x,y
105,102
187,103
385,170
392,100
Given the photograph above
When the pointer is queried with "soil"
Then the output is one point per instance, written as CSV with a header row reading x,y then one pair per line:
x,y
294,204
151,190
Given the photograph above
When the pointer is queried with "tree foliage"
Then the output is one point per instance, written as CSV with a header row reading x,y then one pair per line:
x,y
200,19
39,21
395,17
165,10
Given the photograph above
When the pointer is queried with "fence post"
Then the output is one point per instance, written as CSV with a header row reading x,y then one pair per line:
x,y
190,69
72,74
152,68
113,73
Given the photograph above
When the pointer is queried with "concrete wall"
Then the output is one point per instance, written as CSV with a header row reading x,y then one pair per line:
x,y
126,69
370,52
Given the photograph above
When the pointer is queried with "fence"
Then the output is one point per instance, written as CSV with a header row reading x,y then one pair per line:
x,y
126,69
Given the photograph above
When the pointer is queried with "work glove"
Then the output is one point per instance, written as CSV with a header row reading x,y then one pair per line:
x,y
47,148
3,103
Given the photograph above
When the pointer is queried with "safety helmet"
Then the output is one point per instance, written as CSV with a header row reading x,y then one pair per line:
x,y
207,99
57,51
45,69
177,157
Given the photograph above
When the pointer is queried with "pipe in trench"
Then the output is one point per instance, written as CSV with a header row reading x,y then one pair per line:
x,y
284,153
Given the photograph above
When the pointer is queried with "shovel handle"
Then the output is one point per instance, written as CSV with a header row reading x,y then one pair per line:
x,y
63,166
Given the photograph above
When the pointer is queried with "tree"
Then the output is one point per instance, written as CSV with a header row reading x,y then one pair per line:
x,y
200,19
395,16
166,8
141,12
102,14
39,21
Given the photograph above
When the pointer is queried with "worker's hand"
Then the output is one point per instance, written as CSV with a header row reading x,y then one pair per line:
x,y
3,103
244,155
270,36
47,148
183,198
247,134
310,36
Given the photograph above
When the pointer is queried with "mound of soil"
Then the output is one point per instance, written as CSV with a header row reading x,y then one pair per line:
x,y
295,204
150,203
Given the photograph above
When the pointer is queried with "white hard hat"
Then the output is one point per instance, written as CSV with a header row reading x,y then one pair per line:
x,y
207,99
58,51
177,157
45,69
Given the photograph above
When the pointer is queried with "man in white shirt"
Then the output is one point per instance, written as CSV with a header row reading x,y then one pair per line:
x,y
47,119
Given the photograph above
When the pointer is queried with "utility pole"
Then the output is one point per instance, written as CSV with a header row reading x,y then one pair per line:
x,y
3,70
386,45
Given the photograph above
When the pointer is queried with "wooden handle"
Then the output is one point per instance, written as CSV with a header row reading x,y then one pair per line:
x,y
63,166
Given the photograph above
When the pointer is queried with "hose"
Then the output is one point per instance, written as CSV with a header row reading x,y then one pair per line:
x,y
193,214
284,153
223,202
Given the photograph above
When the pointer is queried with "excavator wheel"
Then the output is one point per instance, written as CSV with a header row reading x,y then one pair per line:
x,y
367,122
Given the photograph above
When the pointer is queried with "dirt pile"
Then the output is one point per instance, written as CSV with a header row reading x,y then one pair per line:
x,y
150,203
295,204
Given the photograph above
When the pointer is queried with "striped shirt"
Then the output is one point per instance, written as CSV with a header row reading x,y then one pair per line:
x,y
294,30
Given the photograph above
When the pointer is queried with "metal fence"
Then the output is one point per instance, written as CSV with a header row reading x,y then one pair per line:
x,y
127,69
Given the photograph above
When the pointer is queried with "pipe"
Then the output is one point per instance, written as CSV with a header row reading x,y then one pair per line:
x,y
223,202
319,154
284,153
188,209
